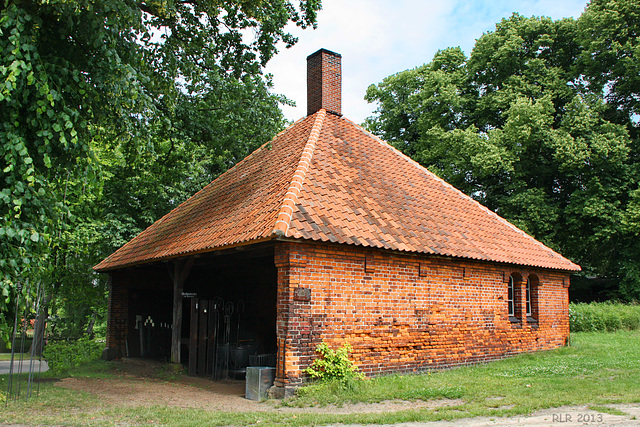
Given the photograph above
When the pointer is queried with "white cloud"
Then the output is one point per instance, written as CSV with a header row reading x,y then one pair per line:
x,y
377,38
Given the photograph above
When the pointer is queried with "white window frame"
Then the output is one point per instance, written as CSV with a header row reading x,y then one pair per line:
x,y
528,296
511,297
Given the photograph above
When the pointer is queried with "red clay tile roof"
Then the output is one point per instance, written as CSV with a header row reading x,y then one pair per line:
x,y
327,179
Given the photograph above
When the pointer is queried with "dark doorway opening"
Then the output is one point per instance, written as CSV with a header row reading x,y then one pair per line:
x,y
229,313
150,314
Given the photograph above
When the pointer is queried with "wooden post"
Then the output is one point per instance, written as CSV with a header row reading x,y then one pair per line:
x,y
181,268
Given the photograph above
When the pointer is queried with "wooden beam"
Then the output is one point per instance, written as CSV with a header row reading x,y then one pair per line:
x,y
181,269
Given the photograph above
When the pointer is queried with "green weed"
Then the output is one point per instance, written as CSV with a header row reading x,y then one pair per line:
x,y
335,366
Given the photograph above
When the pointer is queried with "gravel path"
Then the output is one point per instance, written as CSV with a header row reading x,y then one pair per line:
x,y
565,416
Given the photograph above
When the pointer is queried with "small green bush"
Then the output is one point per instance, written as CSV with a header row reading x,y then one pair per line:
x,y
603,317
334,365
64,355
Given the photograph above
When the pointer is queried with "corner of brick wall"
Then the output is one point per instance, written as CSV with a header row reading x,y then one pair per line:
x,y
118,317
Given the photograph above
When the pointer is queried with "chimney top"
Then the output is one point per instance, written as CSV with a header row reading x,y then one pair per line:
x,y
324,82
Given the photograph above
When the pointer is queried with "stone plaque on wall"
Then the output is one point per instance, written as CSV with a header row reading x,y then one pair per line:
x,y
302,294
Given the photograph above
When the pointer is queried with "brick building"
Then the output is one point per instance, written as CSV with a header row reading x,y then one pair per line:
x,y
329,233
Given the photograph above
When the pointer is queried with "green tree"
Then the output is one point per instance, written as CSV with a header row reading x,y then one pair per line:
x,y
610,59
206,135
609,31
521,127
118,77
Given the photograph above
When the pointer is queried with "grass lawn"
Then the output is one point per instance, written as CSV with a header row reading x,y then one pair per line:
x,y
16,356
596,370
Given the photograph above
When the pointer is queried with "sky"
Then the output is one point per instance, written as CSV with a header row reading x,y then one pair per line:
x,y
378,38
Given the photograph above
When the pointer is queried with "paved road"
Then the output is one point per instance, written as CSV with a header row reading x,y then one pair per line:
x,y
23,366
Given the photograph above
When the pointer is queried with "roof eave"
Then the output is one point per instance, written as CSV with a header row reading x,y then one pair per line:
x,y
155,260
570,268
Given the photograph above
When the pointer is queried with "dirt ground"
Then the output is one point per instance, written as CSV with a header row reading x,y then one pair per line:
x,y
139,385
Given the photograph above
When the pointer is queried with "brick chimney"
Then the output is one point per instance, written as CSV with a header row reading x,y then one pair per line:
x,y
324,82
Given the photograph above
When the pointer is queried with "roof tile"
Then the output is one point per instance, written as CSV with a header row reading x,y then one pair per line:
x,y
418,211
327,179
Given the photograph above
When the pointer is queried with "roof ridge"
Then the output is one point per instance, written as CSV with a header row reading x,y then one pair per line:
x,y
456,190
283,220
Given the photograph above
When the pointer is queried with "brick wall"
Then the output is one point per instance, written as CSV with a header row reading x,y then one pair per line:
x,y
405,313
117,328
324,82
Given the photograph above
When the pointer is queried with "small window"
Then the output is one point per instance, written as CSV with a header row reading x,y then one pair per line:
x,y
510,297
529,297
515,297
533,284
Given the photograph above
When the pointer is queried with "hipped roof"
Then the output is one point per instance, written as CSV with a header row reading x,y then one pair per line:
x,y
327,179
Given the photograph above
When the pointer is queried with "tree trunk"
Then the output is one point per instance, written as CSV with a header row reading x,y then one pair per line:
x,y
37,345
179,274
92,322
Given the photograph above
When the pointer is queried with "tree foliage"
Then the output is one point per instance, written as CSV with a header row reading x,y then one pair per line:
x,y
206,134
539,123
113,111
